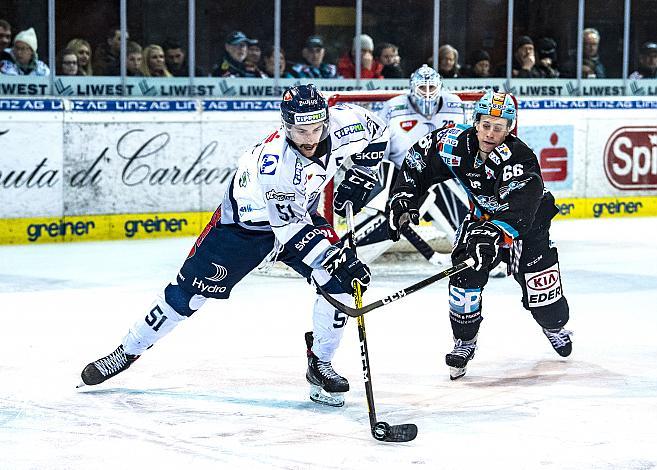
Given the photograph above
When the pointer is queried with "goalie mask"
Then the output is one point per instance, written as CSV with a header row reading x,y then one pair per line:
x,y
498,105
302,109
425,87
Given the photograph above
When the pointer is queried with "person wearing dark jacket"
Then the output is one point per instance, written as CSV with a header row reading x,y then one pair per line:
x,y
233,63
510,218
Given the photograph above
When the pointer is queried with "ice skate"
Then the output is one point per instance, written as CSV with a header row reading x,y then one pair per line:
x,y
560,340
458,359
326,386
102,369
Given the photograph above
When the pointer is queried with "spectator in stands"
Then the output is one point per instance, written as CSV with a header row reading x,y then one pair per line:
x,y
268,63
369,67
647,62
546,51
176,59
67,63
153,64
135,60
5,35
478,65
588,68
313,65
524,60
448,62
233,62
22,59
253,53
106,56
387,54
591,39
82,49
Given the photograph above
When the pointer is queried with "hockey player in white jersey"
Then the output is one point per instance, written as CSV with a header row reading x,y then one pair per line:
x,y
425,108
269,211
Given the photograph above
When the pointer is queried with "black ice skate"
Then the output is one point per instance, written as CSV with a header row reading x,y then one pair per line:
x,y
326,386
458,359
560,340
105,367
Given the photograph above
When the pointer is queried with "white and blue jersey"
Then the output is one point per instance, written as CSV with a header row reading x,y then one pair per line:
x,y
276,188
407,126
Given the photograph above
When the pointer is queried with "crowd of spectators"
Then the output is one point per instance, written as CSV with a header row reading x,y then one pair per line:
x,y
247,57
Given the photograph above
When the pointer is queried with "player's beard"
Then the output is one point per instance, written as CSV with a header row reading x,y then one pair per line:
x,y
308,150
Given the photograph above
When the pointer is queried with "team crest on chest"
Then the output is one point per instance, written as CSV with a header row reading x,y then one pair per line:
x,y
408,125
504,151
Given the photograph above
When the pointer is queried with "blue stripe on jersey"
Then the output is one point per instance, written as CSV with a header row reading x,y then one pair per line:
x,y
506,227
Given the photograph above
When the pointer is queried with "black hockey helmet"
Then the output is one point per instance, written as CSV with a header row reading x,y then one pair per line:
x,y
303,104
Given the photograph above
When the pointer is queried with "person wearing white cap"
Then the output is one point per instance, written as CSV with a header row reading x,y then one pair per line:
x,y
369,67
22,59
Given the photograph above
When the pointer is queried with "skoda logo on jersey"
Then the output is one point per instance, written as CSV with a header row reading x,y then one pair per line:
x,y
219,275
311,117
268,164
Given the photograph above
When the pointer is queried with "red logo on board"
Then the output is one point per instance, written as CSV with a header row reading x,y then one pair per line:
x,y
631,158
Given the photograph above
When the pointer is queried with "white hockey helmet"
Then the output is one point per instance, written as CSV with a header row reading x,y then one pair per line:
x,y
425,85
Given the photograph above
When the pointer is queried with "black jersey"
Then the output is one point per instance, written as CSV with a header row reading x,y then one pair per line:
x,y
507,188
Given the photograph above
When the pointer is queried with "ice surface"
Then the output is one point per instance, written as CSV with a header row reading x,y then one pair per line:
x,y
227,390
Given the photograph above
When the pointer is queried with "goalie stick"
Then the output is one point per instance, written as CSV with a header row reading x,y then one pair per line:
x,y
360,310
381,431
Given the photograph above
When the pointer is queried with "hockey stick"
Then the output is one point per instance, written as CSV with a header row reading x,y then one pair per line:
x,y
359,311
420,245
381,430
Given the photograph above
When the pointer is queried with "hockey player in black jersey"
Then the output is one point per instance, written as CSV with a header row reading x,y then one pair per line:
x,y
510,218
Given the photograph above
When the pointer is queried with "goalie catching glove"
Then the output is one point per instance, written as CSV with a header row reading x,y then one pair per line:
x,y
483,243
355,187
345,267
402,209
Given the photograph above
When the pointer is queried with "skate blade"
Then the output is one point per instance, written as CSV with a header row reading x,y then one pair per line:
x,y
456,372
319,395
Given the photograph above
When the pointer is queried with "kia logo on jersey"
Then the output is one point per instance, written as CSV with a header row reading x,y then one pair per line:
x,y
631,158
408,125
544,280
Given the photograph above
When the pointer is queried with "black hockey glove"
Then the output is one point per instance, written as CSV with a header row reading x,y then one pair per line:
x,y
401,209
343,265
356,187
483,240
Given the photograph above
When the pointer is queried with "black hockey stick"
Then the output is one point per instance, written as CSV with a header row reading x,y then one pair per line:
x,y
381,430
418,242
359,311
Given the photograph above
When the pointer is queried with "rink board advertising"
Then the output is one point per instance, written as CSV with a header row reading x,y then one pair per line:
x,y
74,169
